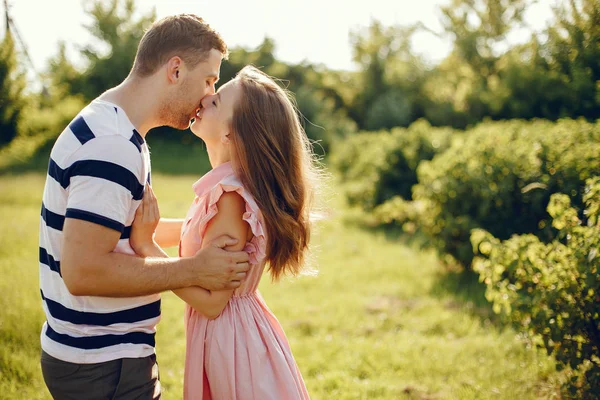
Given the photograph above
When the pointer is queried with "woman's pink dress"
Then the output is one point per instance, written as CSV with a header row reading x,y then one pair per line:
x,y
243,353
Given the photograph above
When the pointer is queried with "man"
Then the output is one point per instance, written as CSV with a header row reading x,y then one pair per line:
x,y
101,301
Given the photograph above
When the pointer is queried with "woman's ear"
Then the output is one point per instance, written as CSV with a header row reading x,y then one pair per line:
x,y
225,139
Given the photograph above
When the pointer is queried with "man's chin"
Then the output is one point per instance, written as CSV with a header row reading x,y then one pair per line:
x,y
180,125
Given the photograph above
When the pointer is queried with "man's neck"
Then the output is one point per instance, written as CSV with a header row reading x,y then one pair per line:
x,y
138,98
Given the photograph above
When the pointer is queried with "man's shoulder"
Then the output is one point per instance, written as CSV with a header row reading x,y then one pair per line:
x,y
103,119
93,121
98,132
103,125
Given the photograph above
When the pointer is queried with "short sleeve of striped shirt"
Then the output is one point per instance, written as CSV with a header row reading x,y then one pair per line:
x,y
106,175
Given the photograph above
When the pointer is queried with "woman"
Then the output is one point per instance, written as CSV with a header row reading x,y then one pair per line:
x,y
259,192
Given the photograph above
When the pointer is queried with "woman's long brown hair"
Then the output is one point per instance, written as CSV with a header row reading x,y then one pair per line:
x,y
275,162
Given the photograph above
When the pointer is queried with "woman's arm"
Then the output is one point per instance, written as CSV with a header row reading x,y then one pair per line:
x,y
168,232
206,302
228,221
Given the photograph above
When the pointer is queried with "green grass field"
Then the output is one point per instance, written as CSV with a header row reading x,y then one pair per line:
x,y
379,321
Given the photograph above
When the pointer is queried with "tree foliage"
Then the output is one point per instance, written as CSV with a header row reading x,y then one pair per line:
x,y
117,31
12,85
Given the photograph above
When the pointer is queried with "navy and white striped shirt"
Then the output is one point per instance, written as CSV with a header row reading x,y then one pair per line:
x,y
98,168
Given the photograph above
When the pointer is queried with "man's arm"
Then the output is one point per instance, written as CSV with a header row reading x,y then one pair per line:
x,y
89,266
103,180
168,232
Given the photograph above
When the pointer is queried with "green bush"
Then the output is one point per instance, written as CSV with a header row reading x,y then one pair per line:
x,y
552,291
500,179
377,166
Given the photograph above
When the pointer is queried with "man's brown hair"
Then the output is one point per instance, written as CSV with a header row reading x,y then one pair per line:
x,y
183,35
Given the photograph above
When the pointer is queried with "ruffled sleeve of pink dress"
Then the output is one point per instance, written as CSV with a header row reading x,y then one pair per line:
x,y
243,353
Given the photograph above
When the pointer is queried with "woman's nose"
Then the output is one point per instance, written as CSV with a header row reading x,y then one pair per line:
x,y
206,100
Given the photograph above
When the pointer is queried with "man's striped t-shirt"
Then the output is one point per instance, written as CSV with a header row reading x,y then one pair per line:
x,y
98,168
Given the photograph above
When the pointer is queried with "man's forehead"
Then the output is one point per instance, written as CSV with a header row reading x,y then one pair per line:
x,y
213,62
210,67
206,71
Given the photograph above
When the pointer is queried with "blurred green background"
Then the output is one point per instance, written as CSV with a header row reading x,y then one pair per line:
x,y
458,259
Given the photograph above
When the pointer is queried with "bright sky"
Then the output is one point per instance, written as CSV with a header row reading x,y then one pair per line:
x,y
313,30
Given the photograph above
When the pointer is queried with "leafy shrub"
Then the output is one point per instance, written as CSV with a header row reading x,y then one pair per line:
x,y
377,166
552,291
500,179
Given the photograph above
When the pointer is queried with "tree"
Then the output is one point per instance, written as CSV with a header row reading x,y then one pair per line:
x,y
12,86
479,29
391,78
115,27
573,52
479,26
316,91
261,57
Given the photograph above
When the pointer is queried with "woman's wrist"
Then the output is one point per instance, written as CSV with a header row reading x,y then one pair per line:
x,y
146,249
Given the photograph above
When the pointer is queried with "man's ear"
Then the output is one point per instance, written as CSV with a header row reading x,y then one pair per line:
x,y
174,66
